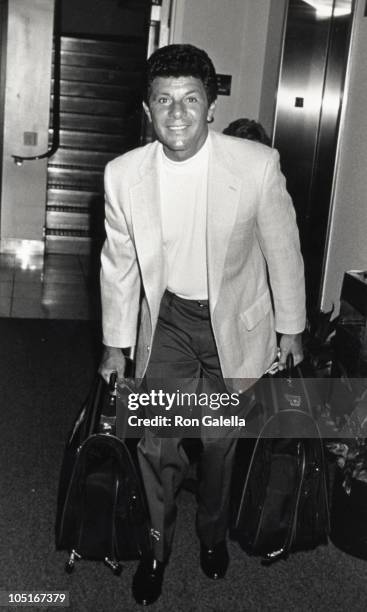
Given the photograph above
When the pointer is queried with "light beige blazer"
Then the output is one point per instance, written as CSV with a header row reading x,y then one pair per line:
x,y
251,226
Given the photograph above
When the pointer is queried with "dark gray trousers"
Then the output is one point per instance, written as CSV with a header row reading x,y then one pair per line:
x,y
184,357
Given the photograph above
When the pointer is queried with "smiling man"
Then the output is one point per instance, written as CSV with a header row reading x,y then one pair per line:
x,y
196,224
178,109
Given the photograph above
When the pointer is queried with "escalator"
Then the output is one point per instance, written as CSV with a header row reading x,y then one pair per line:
x,y
99,118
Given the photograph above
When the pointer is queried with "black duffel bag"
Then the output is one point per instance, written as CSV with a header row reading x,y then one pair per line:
x,y
101,512
283,503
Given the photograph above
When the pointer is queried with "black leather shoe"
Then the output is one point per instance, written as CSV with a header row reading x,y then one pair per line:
x,y
214,561
147,582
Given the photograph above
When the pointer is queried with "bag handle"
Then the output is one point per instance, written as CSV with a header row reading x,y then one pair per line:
x,y
97,399
112,384
290,370
295,372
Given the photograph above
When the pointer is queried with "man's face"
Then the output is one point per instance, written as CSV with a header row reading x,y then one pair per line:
x,y
179,111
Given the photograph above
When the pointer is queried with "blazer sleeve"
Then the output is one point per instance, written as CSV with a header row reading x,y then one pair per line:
x,y
120,279
279,240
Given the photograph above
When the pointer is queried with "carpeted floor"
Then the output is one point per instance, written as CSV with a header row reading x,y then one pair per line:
x,y
46,370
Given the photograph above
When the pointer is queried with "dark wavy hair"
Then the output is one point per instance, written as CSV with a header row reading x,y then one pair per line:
x,y
181,60
248,129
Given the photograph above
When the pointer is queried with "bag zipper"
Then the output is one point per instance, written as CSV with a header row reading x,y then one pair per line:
x,y
289,539
288,544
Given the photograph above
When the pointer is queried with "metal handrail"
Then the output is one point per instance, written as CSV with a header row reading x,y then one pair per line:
x,y
19,159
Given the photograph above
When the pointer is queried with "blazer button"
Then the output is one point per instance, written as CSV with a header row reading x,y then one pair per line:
x,y
148,348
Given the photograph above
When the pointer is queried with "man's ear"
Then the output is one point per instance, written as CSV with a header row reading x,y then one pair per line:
x,y
147,111
211,110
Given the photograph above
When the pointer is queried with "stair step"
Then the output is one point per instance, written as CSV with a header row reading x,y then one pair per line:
x,y
68,219
94,123
81,89
57,196
96,141
132,46
94,74
66,214
81,158
90,106
121,62
68,208
68,232
74,177
72,245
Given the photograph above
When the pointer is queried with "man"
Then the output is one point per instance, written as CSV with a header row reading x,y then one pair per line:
x,y
196,223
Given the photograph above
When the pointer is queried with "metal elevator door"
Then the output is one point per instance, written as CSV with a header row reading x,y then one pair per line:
x,y
100,118
315,55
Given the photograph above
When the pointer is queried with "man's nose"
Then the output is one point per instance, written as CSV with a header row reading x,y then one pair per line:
x,y
177,109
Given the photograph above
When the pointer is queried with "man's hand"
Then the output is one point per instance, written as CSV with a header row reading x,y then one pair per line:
x,y
113,360
290,343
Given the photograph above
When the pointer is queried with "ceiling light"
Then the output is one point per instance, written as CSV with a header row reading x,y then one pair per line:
x,y
324,8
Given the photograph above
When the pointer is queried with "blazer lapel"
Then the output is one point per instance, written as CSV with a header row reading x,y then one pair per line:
x,y
224,190
146,218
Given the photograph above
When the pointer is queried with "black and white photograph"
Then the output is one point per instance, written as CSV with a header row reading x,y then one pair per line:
x,y
183,305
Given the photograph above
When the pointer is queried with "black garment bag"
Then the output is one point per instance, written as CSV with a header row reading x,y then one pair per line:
x,y
282,502
101,512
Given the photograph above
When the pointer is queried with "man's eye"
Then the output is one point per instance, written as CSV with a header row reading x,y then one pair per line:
x,y
163,100
192,99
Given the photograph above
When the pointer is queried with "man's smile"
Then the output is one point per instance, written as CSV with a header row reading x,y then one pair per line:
x,y
177,128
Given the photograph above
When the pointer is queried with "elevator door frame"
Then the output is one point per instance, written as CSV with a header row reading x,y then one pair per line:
x,y
314,203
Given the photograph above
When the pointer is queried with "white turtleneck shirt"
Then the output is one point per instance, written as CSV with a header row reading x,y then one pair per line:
x,y
183,199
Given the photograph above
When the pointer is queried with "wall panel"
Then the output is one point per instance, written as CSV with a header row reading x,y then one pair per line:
x,y
26,109
347,241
